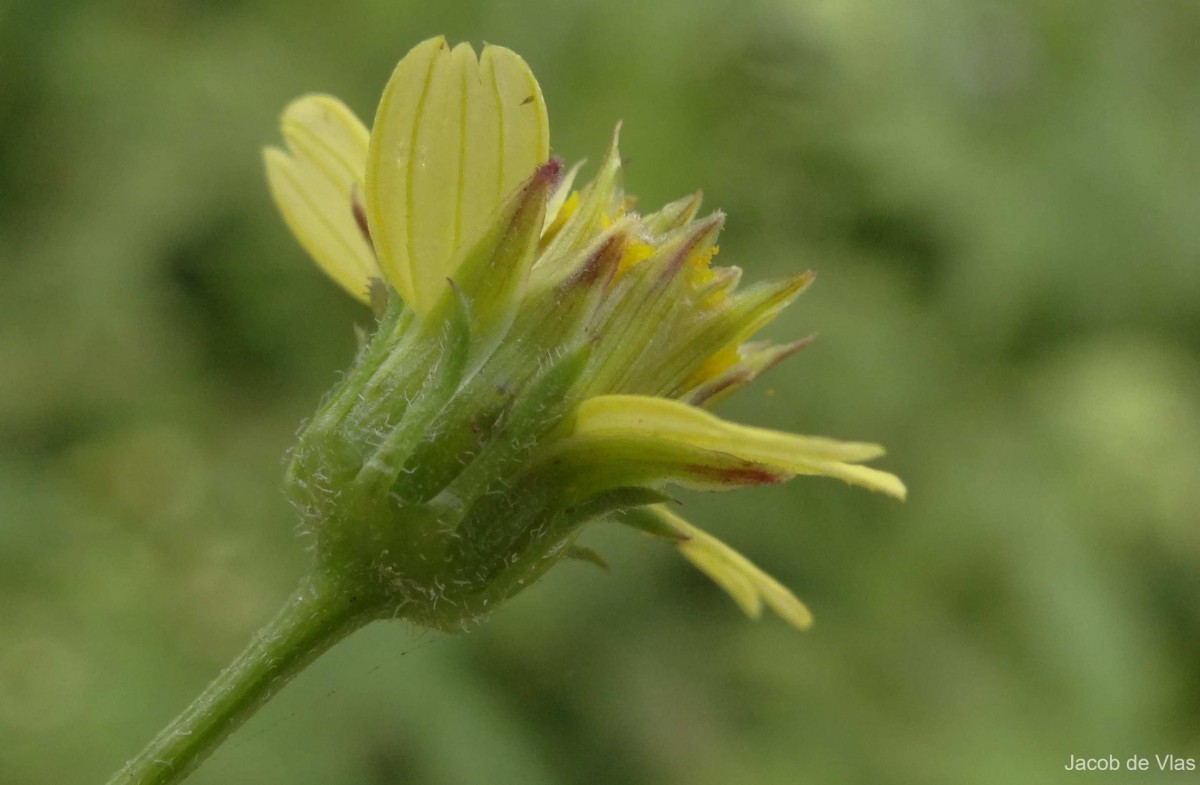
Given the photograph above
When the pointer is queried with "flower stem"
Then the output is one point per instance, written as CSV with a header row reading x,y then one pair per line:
x,y
318,615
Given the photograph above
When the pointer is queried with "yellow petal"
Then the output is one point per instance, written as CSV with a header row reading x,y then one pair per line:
x,y
738,576
313,184
525,130
453,136
667,421
705,558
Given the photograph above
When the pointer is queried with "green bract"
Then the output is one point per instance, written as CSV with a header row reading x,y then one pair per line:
x,y
540,353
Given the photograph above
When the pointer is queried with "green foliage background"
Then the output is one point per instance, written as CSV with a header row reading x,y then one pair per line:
x,y
1001,201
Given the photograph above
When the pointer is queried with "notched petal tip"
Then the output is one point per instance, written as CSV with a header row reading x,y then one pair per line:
x,y
315,202
323,131
271,155
453,136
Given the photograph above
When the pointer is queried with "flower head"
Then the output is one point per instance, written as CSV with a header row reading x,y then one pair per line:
x,y
543,353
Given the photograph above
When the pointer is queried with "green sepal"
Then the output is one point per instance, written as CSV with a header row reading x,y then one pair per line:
x,y
441,381
513,537
585,554
648,522
379,344
558,314
492,273
674,215
537,410
502,533
361,338
615,500
598,201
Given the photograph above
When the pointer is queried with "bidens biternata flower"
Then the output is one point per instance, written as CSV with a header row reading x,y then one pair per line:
x,y
543,353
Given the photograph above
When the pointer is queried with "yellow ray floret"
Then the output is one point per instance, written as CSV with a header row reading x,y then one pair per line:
x,y
664,422
315,182
453,136
749,586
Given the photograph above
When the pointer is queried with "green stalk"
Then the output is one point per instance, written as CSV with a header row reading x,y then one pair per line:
x,y
317,616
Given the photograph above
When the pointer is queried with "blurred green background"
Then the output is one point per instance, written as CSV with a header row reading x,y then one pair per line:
x,y
1001,201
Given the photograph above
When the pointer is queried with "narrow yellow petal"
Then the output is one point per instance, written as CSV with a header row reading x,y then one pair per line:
x,y
738,576
436,172
875,479
389,161
483,188
668,421
314,184
524,126
779,598
323,130
453,137
735,584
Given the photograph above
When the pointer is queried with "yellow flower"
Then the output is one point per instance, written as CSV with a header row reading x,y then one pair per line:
x,y
453,136
542,355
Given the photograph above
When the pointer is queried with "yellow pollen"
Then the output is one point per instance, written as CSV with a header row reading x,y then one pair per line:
x,y
699,272
635,253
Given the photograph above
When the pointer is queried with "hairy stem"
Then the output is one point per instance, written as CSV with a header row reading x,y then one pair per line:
x,y
318,615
